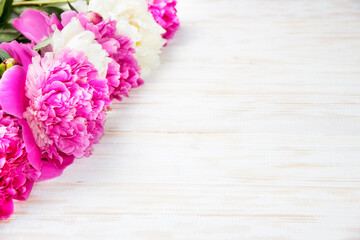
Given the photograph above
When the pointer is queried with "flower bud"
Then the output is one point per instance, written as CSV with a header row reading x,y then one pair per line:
x,y
7,64
94,17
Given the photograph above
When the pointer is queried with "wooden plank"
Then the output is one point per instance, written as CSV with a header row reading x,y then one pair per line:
x,y
250,129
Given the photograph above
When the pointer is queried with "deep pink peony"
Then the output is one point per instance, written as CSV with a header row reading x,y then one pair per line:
x,y
66,112
20,162
12,94
17,175
164,13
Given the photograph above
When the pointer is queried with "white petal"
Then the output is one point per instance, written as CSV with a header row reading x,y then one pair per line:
x,y
75,37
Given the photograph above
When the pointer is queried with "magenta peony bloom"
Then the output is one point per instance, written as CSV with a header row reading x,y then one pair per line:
x,y
12,94
17,175
164,13
124,71
20,162
66,113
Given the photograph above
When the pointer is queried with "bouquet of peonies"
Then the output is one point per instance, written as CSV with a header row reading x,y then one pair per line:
x,y
62,64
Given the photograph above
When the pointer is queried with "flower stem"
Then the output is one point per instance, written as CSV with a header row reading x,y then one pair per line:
x,y
29,3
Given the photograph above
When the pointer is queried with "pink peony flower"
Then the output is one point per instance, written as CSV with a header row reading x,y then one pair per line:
x,y
20,162
17,175
123,72
12,94
67,100
164,13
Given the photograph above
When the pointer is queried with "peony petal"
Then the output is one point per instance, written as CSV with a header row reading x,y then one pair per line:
x,y
25,195
165,14
6,210
67,16
23,53
35,25
49,170
67,160
30,145
55,21
19,180
12,91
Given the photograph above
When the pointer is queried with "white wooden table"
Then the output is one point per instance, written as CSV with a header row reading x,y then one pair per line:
x,y
249,130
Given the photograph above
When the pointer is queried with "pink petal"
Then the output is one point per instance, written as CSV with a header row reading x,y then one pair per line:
x,y
19,180
55,20
67,16
50,170
35,25
6,210
23,53
12,91
30,145
29,185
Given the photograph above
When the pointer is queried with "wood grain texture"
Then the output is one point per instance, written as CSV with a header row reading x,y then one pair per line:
x,y
250,129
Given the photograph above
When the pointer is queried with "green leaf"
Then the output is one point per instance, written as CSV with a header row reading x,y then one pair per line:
x,y
9,33
8,37
22,39
42,44
72,7
2,5
19,9
52,9
4,55
5,13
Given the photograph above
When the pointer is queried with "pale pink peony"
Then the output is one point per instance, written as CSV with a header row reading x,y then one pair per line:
x,y
67,103
124,71
164,13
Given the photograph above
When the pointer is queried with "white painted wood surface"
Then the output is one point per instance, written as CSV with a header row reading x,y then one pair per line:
x,y
249,130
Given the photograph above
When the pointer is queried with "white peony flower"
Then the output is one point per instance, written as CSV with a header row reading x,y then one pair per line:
x,y
134,21
75,37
